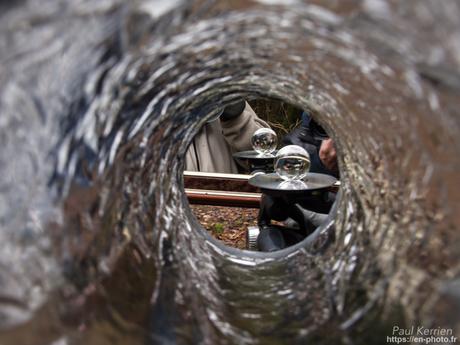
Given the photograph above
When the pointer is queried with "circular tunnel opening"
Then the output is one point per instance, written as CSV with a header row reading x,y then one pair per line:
x,y
222,168
125,236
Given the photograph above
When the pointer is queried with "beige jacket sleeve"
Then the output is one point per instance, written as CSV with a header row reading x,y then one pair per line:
x,y
238,131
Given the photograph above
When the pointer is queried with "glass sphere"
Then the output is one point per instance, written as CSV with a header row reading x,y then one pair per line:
x,y
264,141
292,163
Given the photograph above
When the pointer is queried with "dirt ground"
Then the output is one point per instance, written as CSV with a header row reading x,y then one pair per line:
x,y
227,224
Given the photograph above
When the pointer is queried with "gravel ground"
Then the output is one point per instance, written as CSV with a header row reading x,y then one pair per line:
x,y
227,224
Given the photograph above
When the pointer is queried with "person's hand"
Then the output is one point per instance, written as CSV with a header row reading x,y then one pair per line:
x,y
328,154
233,110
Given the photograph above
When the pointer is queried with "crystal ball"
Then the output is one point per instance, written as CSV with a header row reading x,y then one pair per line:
x,y
292,163
264,141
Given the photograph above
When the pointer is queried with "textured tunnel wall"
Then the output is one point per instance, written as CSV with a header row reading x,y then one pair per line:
x,y
113,129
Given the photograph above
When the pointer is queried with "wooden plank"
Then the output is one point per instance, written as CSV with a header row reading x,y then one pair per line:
x,y
223,198
231,190
201,174
218,181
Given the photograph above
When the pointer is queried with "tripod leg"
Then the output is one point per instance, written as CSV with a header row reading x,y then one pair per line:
x,y
308,220
270,239
272,208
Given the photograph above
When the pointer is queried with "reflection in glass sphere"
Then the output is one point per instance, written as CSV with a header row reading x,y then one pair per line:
x,y
264,141
293,185
292,163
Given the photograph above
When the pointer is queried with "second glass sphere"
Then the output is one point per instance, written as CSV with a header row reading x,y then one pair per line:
x,y
264,141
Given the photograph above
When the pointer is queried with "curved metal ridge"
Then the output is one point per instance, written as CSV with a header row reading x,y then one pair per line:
x,y
99,101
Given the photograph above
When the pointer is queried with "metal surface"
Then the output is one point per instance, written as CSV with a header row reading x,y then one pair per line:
x,y
253,155
252,233
99,101
272,184
255,162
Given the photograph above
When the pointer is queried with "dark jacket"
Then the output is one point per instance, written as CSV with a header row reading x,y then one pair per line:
x,y
309,136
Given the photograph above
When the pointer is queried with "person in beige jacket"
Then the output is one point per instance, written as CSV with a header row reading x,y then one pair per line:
x,y
212,148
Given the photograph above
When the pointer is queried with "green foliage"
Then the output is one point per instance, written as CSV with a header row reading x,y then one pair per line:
x,y
218,228
282,117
